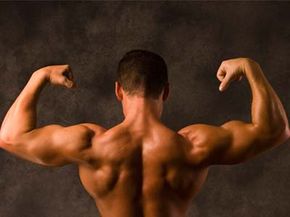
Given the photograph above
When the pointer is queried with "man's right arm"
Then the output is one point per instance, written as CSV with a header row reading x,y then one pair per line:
x,y
237,141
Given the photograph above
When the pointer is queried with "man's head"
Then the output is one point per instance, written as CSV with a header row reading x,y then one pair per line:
x,y
142,73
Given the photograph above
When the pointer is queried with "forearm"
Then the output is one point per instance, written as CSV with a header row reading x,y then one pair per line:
x,y
268,114
21,117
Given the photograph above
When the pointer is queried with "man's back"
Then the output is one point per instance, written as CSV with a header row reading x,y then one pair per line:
x,y
142,172
140,167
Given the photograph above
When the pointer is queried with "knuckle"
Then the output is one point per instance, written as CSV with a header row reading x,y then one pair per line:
x,y
66,66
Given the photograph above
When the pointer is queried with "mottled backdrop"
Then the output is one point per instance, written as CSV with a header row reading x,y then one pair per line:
x,y
193,37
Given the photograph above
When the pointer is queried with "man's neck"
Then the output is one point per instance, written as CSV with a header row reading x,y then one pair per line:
x,y
141,111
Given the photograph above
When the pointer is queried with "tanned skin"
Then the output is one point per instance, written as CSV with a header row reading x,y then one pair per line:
x,y
141,167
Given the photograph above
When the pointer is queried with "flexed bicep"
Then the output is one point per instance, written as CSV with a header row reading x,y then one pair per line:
x,y
51,145
237,141
227,144
205,143
268,126
233,142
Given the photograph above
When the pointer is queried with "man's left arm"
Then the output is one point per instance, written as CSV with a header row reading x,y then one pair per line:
x,y
52,145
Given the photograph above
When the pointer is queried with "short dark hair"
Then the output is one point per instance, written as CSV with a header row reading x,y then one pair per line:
x,y
143,73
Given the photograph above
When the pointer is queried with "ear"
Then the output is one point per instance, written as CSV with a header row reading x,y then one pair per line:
x,y
118,91
165,92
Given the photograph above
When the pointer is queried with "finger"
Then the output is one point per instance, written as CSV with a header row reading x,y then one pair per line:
x,y
221,73
68,72
68,83
71,76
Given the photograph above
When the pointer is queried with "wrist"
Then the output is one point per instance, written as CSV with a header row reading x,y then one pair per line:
x,y
252,69
42,74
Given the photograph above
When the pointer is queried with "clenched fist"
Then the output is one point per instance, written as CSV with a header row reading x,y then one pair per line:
x,y
59,75
231,70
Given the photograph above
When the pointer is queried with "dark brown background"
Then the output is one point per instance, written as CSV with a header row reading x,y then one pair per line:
x,y
193,38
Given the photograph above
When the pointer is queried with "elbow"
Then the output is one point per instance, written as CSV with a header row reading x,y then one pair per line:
x,y
4,141
279,134
7,138
286,132
273,135
4,138
283,133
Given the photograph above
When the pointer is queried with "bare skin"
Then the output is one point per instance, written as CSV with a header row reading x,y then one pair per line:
x,y
140,167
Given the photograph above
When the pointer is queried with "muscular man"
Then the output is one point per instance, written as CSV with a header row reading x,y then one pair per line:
x,y
141,167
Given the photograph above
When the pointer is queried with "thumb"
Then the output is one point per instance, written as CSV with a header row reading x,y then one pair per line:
x,y
225,82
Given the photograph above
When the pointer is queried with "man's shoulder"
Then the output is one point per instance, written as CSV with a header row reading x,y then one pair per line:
x,y
198,130
111,134
96,129
193,128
